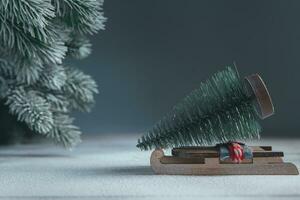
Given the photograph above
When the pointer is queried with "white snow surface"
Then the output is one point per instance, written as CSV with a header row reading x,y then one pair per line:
x,y
111,167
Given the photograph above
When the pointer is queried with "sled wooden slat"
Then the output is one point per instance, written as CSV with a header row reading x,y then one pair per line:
x,y
178,160
212,152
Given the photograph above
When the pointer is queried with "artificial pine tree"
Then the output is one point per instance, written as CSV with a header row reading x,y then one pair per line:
x,y
37,90
220,110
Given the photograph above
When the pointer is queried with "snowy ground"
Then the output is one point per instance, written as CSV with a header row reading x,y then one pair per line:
x,y
112,168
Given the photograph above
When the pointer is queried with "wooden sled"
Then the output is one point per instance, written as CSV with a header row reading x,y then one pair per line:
x,y
205,161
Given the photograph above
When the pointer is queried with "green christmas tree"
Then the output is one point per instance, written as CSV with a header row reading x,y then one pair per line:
x,y
220,110
37,90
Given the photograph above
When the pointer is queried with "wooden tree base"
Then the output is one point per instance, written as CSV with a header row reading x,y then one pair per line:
x,y
205,161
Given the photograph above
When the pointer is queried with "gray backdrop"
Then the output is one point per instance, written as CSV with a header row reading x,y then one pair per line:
x,y
154,52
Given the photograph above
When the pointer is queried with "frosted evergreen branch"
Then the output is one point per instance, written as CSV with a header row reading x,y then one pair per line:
x,y
80,89
26,72
64,132
19,43
6,69
53,77
32,15
36,36
31,109
58,102
85,17
79,47
4,88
